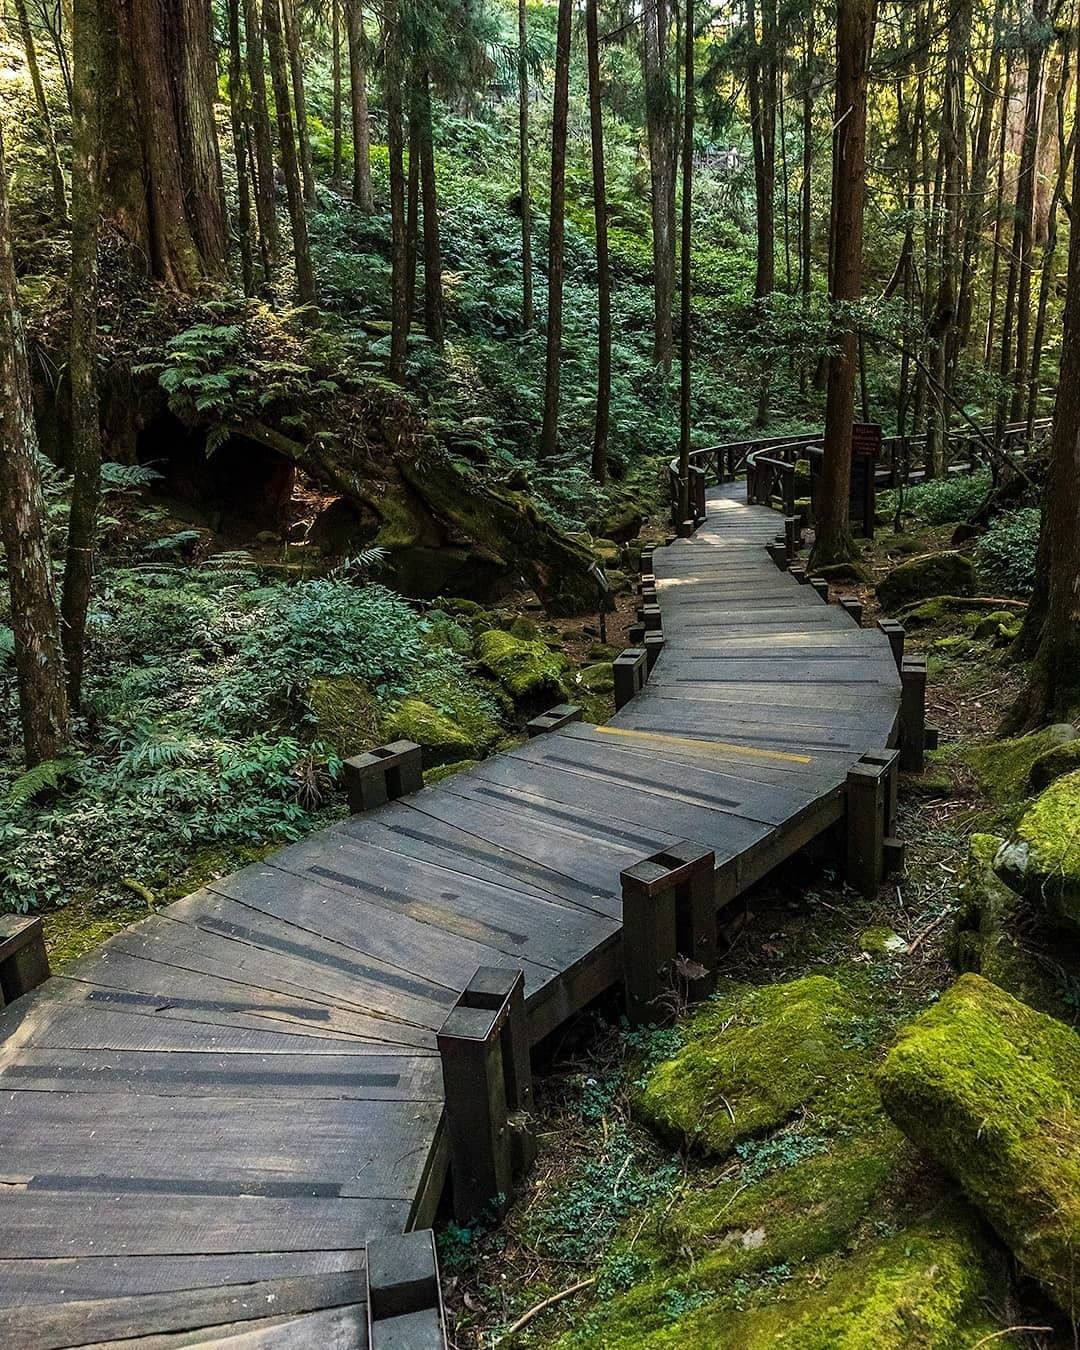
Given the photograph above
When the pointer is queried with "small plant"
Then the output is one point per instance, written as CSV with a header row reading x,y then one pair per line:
x,y
942,500
1007,552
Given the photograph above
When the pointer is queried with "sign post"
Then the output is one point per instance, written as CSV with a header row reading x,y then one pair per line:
x,y
865,453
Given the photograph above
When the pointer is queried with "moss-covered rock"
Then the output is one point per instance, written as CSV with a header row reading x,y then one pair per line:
x,y
991,1089
1002,768
1059,760
346,712
1042,859
441,738
607,552
528,671
919,578
523,627
750,1059
882,942
598,678
1000,627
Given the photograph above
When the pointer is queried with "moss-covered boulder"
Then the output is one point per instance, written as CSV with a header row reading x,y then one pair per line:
x,y
598,678
991,1089
346,714
440,737
1059,760
1003,768
750,1060
1042,859
919,578
1000,627
529,672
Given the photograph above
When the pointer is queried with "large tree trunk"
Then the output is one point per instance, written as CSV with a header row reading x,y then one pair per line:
x,y
265,201
433,300
335,81
999,222
24,528
1053,691
305,277
85,460
806,226
660,129
689,97
56,173
412,202
603,275
393,64
239,139
161,180
296,72
549,434
523,171
361,190
854,40
989,94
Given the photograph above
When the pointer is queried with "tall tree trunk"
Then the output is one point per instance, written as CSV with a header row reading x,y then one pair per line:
x,y
296,72
433,300
1025,206
854,40
85,461
1053,692
305,278
989,93
239,139
24,527
265,198
999,218
523,170
361,132
603,276
161,173
412,201
335,77
689,97
394,67
549,433
660,129
56,173
806,229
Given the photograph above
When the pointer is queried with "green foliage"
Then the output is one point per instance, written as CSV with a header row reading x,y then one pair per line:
x,y
941,500
1006,554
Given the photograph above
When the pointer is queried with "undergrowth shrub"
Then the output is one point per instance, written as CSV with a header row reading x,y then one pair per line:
x,y
942,500
1006,553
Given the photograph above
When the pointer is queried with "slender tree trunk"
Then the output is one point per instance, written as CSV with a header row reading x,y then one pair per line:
x,y
603,277
999,218
1025,208
660,127
85,459
549,434
24,528
412,201
989,94
56,173
854,40
361,191
335,76
1053,692
689,97
265,200
806,234
305,277
394,67
523,171
296,72
239,139
433,300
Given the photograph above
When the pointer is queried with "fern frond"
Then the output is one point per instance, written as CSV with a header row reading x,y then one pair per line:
x,y
50,773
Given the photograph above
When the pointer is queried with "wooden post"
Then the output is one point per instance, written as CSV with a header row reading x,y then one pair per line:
x,y
792,536
487,1078
24,963
404,1295
629,672
913,714
646,582
778,553
635,635
383,775
685,528
821,586
866,797
559,716
668,910
852,607
892,845
649,615
646,562
654,645
895,632
798,571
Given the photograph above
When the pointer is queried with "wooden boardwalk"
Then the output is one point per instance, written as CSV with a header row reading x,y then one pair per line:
x,y
202,1122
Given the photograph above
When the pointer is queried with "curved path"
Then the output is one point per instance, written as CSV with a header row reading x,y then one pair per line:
x,y
202,1122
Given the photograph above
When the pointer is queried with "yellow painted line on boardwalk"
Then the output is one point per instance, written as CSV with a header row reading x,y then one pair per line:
x,y
688,743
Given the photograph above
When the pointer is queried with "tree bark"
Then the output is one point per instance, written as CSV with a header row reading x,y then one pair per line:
x,y
689,97
361,132
412,201
660,130
854,40
305,277
24,528
999,218
265,200
239,139
989,94
603,277
393,64
85,460
806,230
296,72
433,300
549,434
335,78
56,173
523,171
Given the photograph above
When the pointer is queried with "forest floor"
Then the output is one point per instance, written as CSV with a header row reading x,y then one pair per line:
x,y
604,1227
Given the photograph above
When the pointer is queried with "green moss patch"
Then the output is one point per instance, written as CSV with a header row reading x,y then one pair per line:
x,y
992,1090
1002,768
1059,760
919,578
527,670
1043,858
346,714
749,1061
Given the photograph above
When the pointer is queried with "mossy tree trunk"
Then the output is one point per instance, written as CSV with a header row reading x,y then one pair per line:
x,y
433,298
290,164
603,273
34,619
358,102
394,66
523,170
296,73
265,205
689,96
56,173
549,433
660,130
239,139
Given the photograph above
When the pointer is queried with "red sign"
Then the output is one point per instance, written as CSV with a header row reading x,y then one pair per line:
x,y
865,440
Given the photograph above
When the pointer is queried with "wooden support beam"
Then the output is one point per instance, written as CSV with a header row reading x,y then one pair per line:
x,y
647,595
404,1294
798,571
792,536
24,963
894,630
646,561
646,582
649,615
487,1082
559,716
669,910
654,645
686,528
778,553
853,608
913,714
630,671
635,635
382,775
866,793
821,586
